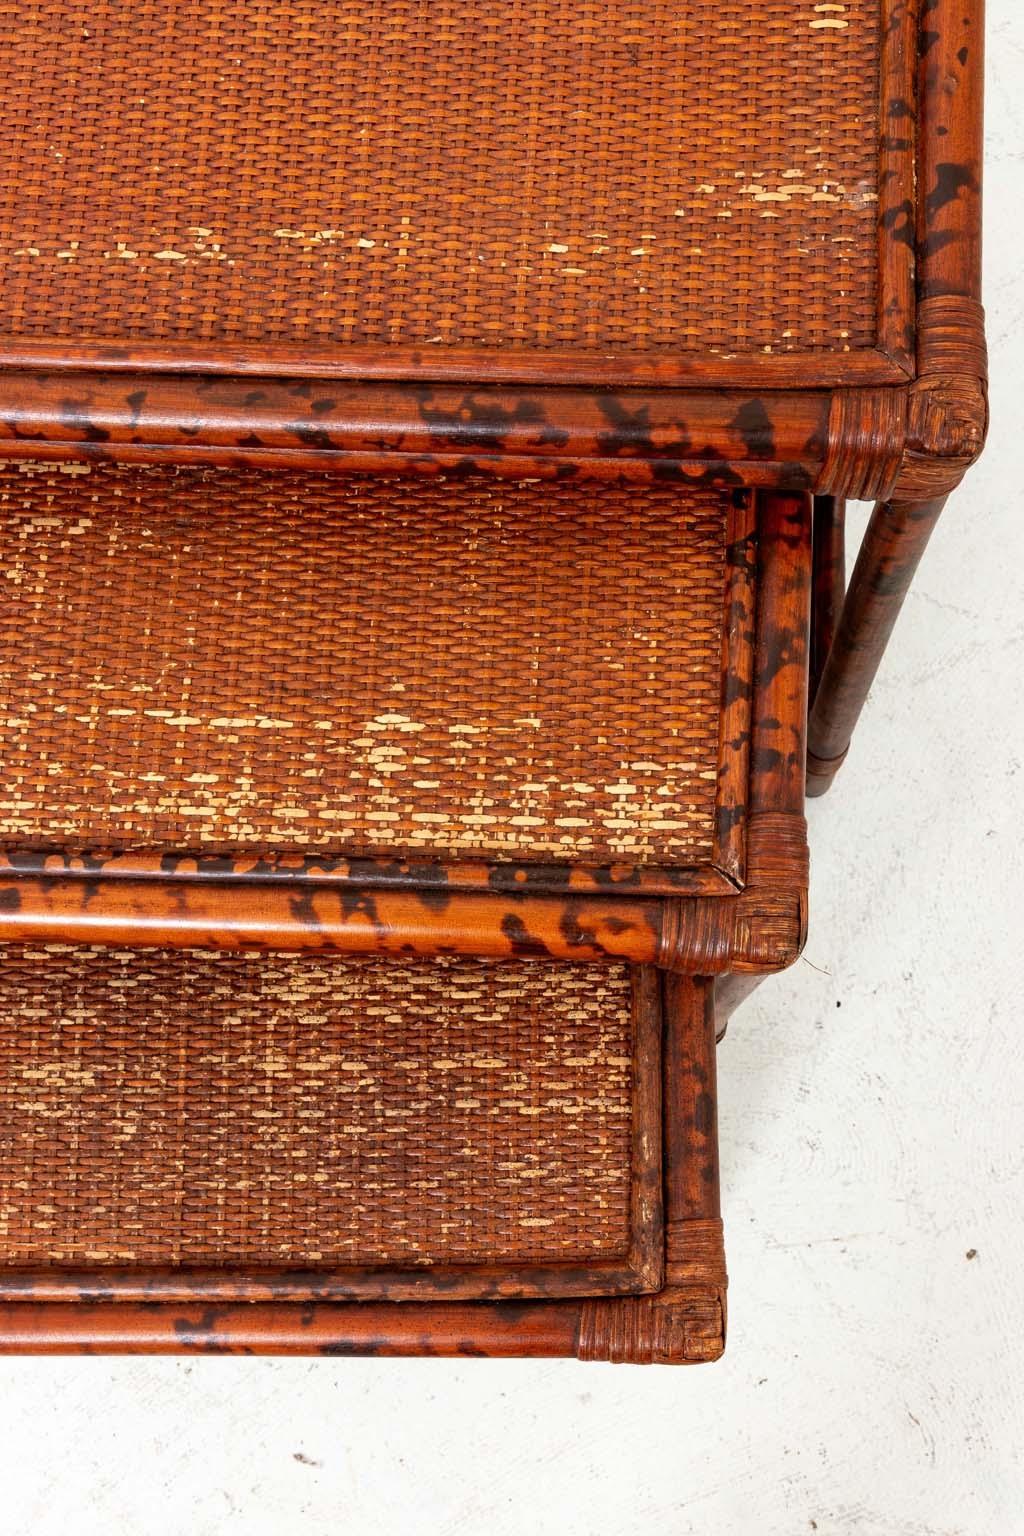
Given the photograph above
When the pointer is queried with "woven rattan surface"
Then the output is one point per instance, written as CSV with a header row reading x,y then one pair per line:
x,y
229,662
638,175
225,1109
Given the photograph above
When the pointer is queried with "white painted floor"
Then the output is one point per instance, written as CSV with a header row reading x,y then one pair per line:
x,y
872,1106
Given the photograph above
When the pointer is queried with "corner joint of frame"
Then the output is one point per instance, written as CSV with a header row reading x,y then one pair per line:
x,y
947,405
682,1325
915,441
947,421
764,927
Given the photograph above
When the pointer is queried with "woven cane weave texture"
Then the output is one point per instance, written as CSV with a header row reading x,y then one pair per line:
x,y
221,1109
630,174
216,661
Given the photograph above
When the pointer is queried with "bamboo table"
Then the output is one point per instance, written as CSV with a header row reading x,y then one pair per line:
x,y
425,438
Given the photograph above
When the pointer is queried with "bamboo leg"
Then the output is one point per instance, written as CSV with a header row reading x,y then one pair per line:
x,y
828,544
684,1322
730,991
897,536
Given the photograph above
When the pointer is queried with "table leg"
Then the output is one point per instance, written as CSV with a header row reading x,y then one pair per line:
x,y
895,541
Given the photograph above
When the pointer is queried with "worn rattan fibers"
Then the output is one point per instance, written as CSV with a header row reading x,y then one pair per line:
x,y
187,1108
643,176
235,662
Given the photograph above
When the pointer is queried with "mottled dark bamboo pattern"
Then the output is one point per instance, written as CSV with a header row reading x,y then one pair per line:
x,y
686,1321
694,439
946,407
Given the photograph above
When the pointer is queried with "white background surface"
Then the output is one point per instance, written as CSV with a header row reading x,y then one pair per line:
x,y
872,1107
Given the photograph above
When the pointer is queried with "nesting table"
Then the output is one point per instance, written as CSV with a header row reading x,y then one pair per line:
x,y
424,438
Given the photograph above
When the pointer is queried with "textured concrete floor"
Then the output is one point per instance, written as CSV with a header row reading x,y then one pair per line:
x,y
873,1141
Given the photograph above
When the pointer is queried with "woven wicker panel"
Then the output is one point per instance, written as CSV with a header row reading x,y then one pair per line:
x,y
232,661
206,1109
632,174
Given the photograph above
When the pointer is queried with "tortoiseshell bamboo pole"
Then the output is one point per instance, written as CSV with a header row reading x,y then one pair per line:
x,y
946,414
889,556
829,567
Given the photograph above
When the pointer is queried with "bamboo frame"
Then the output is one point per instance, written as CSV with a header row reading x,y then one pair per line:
x,y
947,412
681,1321
749,915
843,424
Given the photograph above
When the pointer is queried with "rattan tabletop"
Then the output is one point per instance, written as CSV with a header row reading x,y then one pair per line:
x,y
235,663
624,184
363,1121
